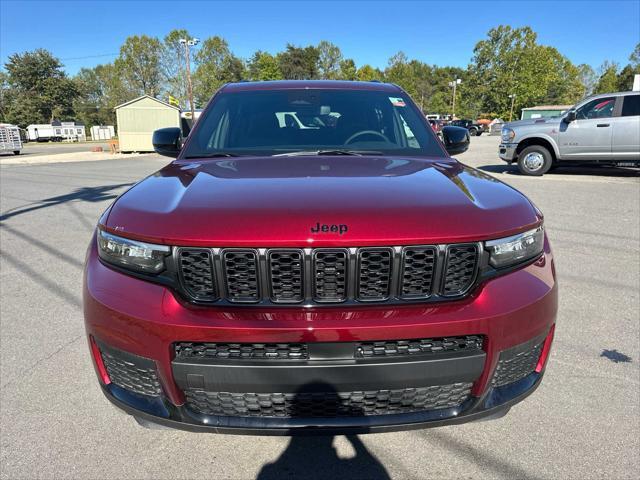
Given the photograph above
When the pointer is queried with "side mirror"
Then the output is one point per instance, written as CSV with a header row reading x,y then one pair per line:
x,y
570,116
455,139
166,141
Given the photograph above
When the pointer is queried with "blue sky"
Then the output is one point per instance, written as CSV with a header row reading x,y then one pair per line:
x,y
86,33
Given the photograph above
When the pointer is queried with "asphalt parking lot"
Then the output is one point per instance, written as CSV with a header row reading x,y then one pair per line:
x,y
583,422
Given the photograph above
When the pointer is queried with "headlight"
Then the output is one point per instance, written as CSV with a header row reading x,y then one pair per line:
x,y
508,134
505,252
130,254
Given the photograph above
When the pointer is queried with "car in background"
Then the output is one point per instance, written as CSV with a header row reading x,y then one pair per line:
x,y
475,129
602,129
436,126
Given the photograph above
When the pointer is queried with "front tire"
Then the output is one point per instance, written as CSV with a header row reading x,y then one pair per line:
x,y
473,132
16,152
534,161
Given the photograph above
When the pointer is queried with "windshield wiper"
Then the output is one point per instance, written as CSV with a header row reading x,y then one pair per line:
x,y
213,155
325,152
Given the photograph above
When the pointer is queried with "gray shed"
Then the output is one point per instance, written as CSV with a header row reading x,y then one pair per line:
x,y
138,118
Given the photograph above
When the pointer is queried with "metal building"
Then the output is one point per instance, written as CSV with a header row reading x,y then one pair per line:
x,y
138,118
544,111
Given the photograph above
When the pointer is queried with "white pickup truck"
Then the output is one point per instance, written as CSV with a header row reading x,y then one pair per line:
x,y
602,129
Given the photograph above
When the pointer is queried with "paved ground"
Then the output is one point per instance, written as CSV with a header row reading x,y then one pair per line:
x,y
54,148
583,422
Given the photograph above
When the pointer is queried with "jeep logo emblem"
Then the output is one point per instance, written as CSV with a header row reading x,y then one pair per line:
x,y
340,229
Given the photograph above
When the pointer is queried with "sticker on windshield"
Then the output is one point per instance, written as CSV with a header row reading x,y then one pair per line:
x,y
397,102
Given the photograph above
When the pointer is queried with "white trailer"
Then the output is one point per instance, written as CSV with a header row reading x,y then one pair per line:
x,y
43,132
102,132
56,132
10,139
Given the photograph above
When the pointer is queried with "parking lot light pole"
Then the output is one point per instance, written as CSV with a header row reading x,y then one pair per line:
x,y
188,43
513,99
454,84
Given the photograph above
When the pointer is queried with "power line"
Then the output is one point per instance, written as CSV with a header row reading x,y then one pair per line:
x,y
90,56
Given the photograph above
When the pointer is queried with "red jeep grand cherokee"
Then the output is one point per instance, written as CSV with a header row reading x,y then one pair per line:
x,y
315,261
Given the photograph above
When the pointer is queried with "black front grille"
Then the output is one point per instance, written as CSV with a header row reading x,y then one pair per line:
x,y
241,275
286,270
327,404
516,363
258,351
328,275
196,269
419,347
418,269
134,373
460,269
374,274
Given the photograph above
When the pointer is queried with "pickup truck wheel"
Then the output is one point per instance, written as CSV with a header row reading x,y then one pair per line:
x,y
473,132
534,160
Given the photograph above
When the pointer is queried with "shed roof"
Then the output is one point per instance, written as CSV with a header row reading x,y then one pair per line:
x,y
145,96
549,107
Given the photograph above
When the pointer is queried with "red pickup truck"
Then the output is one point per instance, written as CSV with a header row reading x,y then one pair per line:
x,y
350,277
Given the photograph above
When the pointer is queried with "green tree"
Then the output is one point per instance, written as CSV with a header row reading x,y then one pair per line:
x,y
298,63
510,61
263,66
100,90
588,78
216,65
348,70
173,65
366,73
36,89
139,64
329,60
634,58
608,80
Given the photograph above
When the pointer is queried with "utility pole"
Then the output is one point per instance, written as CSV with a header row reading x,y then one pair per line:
x,y
513,99
188,43
454,84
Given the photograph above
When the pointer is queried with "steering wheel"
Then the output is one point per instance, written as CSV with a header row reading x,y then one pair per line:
x,y
365,132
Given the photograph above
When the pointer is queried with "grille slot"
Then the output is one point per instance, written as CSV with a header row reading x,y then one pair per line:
x,y
418,347
374,274
330,275
286,270
327,404
261,351
196,270
460,269
514,366
241,275
418,268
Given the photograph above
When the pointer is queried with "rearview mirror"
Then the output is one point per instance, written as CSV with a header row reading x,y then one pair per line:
x,y
570,116
167,141
455,139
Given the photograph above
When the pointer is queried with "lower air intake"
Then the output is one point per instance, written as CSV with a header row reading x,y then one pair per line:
x,y
327,404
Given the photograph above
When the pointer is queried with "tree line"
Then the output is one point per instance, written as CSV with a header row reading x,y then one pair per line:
x,y
509,61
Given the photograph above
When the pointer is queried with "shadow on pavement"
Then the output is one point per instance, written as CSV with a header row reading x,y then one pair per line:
x,y
315,457
602,171
84,194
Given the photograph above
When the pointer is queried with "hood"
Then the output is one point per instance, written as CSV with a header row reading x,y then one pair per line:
x,y
320,201
533,121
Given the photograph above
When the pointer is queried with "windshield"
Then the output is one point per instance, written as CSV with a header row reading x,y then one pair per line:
x,y
279,122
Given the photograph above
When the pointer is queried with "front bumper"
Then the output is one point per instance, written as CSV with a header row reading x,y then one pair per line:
x,y
507,152
142,322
